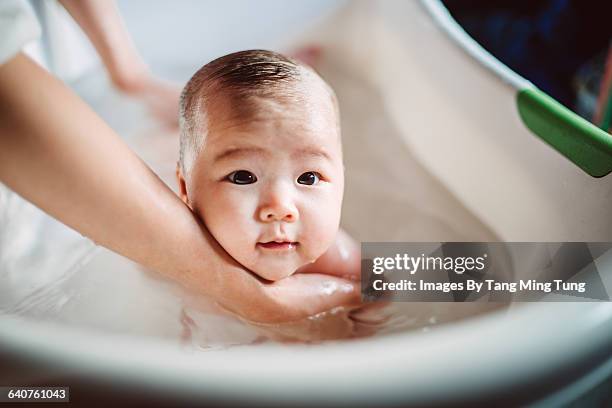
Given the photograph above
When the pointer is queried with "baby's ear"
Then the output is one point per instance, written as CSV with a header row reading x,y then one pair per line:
x,y
182,185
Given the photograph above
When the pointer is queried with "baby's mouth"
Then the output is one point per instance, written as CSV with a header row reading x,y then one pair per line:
x,y
278,245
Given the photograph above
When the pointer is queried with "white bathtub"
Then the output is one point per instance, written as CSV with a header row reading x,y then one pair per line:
x,y
444,134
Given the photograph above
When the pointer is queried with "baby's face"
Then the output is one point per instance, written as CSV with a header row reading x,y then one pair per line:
x,y
269,188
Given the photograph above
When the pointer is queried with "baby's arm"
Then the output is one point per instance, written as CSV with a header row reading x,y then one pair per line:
x,y
342,259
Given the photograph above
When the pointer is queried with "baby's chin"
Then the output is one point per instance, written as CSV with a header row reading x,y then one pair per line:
x,y
274,274
277,267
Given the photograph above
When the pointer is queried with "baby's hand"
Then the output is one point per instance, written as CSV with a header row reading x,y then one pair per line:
x,y
342,259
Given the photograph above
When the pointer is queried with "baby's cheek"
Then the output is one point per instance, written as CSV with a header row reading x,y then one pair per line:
x,y
228,216
321,230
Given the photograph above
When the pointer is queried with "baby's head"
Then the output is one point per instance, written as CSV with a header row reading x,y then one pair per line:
x,y
261,159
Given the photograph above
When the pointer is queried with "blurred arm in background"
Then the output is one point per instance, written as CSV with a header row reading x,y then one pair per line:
x,y
103,25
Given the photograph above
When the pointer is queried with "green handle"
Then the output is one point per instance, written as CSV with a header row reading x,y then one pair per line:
x,y
586,145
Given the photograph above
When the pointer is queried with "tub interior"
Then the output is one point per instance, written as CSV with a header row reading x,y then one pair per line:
x,y
397,188
388,197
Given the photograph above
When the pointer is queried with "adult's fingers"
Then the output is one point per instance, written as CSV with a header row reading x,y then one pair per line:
x,y
303,295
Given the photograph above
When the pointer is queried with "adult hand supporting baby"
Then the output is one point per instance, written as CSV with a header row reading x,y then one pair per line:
x,y
289,300
58,154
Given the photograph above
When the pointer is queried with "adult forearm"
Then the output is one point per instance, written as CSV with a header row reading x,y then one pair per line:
x,y
58,154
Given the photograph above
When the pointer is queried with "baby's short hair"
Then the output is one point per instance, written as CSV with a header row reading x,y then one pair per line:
x,y
240,76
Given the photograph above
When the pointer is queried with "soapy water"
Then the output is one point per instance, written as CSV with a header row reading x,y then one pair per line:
x,y
48,272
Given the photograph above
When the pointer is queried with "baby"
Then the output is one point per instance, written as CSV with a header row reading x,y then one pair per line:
x,y
261,164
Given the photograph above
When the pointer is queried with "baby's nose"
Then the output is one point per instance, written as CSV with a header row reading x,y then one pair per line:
x,y
278,211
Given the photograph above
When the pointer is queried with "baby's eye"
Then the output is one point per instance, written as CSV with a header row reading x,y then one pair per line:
x,y
309,178
242,177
